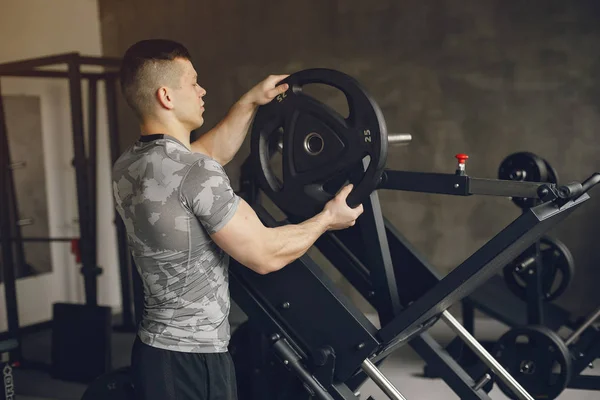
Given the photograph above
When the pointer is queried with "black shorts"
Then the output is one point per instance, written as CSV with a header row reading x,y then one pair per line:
x,y
165,375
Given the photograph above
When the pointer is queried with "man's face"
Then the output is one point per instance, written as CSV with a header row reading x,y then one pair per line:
x,y
189,106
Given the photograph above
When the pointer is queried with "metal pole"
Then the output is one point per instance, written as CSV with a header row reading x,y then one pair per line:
x,y
575,335
89,267
486,357
93,163
130,319
399,138
380,380
8,266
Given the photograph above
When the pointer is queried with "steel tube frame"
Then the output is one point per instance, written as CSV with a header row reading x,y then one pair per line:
x,y
85,166
486,357
8,271
382,381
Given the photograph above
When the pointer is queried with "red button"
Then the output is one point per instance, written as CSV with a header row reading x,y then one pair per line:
x,y
461,158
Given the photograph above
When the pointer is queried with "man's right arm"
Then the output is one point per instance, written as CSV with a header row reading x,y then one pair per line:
x,y
265,250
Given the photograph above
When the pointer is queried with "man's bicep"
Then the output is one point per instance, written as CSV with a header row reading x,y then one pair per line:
x,y
243,237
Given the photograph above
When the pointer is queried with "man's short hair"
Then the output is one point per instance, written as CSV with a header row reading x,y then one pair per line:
x,y
146,66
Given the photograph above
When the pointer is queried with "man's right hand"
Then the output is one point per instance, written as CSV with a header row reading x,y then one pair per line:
x,y
342,216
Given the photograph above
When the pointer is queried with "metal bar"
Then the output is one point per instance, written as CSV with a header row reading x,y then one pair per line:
x,y
381,270
485,379
575,335
447,368
585,353
41,239
100,61
347,263
535,297
481,266
456,185
335,246
93,163
292,361
504,188
81,172
8,272
381,380
399,138
486,357
38,62
126,268
425,182
55,74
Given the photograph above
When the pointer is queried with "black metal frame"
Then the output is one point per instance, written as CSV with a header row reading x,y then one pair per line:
x,y
85,164
406,292
496,301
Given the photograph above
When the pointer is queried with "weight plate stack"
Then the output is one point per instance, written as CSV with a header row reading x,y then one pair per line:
x,y
557,269
537,358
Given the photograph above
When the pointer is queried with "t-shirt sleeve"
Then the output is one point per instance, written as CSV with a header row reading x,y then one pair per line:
x,y
207,191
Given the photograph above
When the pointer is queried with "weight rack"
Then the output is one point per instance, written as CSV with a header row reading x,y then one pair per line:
x,y
85,164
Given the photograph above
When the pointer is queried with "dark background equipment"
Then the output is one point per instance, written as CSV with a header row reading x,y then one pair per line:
x,y
74,326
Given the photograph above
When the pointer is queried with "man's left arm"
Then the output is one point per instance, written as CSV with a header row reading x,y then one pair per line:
x,y
225,139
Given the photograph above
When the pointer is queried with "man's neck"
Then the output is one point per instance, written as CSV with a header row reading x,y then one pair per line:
x,y
178,132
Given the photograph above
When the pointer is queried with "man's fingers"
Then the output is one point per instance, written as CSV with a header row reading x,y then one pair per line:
x,y
345,191
359,209
277,78
277,90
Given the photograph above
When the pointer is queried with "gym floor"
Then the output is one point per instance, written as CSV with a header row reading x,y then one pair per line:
x,y
403,369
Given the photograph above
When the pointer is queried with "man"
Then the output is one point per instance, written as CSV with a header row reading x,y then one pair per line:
x,y
184,221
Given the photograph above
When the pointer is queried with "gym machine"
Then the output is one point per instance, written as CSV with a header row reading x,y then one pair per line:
x,y
536,277
320,151
71,323
304,337
522,299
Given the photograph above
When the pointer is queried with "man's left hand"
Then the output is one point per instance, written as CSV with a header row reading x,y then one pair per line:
x,y
266,90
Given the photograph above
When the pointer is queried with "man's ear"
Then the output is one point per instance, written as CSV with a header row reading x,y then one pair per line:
x,y
163,94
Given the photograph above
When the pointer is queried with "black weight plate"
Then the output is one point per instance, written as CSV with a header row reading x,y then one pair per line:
x,y
558,269
523,166
537,358
115,385
552,174
321,149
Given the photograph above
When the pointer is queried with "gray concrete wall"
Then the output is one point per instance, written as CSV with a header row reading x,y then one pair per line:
x,y
485,77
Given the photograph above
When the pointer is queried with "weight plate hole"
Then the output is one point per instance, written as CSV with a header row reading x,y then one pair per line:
x,y
314,144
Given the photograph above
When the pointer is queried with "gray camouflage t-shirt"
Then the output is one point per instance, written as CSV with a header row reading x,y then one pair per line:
x,y
170,200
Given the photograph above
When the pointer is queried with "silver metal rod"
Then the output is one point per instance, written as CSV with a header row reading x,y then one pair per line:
x,y
575,335
482,382
395,139
486,357
380,380
399,138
